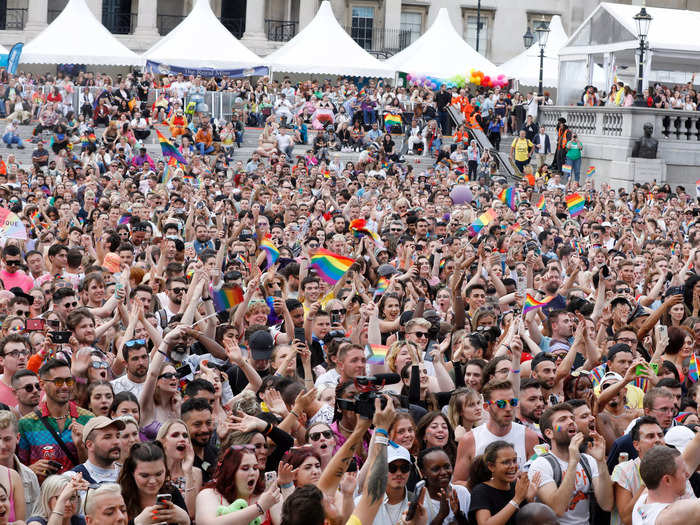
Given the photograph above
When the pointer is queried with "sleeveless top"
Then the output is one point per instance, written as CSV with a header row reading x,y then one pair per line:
x,y
516,437
646,513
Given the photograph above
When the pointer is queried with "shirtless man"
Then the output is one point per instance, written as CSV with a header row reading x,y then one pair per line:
x,y
614,415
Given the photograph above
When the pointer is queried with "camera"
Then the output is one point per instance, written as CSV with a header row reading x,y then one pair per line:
x,y
368,388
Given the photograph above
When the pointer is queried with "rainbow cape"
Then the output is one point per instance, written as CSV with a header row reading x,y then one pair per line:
x,y
376,354
507,197
330,266
391,120
575,204
168,149
693,368
590,171
226,298
359,227
540,203
271,250
485,218
531,303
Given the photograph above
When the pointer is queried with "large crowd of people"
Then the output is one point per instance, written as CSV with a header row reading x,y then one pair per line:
x,y
292,338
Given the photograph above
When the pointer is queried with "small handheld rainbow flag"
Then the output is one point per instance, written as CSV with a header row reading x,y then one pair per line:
x,y
376,354
482,221
693,368
531,303
575,204
391,120
226,298
590,171
540,203
359,227
516,228
168,149
577,246
566,168
330,266
462,178
382,285
597,374
507,196
271,250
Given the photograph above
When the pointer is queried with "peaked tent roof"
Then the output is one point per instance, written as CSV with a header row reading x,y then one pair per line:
x,y
323,47
525,67
441,52
77,37
201,40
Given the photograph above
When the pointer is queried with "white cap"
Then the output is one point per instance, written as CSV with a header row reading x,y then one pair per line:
x,y
606,224
679,437
396,453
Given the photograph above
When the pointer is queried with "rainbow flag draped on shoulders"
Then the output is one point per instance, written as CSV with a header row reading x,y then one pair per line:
x,y
168,149
330,266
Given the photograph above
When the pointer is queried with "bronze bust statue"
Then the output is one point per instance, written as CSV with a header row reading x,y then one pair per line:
x,y
646,146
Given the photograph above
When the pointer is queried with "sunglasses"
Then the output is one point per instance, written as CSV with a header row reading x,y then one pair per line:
x,y
12,262
404,467
178,290
420,335
24,313
99,364
74,304
135,342
168,375
502,403
339,311
315,436
31,387
62,381
623,290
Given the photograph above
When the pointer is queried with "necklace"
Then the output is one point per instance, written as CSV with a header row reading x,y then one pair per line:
x,y
396,518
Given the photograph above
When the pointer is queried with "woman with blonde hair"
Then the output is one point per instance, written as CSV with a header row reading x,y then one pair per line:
x,y
464,411
59,503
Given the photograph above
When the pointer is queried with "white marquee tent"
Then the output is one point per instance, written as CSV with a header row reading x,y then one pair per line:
x,y
441,52
77,37
324,47
201,40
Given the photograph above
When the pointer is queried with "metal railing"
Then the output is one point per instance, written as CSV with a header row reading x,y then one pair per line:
x,y
235,25
281,30
381,42
15,18
167,23
120,23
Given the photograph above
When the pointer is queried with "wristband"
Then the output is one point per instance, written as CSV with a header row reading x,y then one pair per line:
x,y
515,371
167,359
511,502
381,431
207,299
267,429
381,440
294,414
287,485
260,509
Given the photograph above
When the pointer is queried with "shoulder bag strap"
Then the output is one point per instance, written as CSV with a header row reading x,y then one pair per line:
x,y
58,439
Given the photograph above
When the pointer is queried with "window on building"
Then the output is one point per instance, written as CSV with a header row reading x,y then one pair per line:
x,y
470,30
411,27
535,20
362,25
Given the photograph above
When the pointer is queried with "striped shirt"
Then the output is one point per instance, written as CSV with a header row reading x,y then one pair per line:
x,y
36,442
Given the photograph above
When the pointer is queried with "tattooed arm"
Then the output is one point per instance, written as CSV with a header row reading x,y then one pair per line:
x,y
375,488
332,474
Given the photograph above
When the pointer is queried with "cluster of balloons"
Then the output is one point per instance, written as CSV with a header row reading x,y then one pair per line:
x,y
474,77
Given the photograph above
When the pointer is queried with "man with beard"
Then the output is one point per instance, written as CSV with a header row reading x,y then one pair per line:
x,y
13,357
500,402
562,330
544,370
397,498
552,285
25,385
197,415
171,300
101,438
585,422
566,473
531,405
82,323
135,355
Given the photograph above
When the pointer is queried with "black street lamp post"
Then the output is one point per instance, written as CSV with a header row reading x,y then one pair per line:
x,y
642,19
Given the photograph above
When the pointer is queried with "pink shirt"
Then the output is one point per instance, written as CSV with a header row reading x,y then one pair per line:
x,y
21,279
7,396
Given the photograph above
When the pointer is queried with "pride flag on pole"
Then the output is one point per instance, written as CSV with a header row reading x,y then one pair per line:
x,y
575,204
531,303
226,298
168,149
507,196
484,219
330,266
271,250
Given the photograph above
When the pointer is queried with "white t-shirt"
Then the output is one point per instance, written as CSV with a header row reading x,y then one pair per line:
x,y
123,383
432,506
578,511
646,513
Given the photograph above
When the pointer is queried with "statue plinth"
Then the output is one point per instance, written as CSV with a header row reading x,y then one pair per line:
x,y
647,170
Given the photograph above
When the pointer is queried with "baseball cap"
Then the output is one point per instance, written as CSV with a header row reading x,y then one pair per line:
x,y
385,270
261,344
99,422
606,224
397,453
678,437
612,376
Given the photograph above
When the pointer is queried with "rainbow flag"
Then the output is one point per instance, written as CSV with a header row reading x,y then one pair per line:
x,y
168,149
540,203
462,178
391,120
566,168
516,228
597,374
376,354
485,218
226,298
577,246
575,204
330,266
242,260
507,197
359,227
124,219
590,171
271,250
382,285
531,303
693,368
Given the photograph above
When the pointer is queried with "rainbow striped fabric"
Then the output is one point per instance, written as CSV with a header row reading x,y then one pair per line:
x,y
376,354
359,227
330,266
531,303
693,368
540,203
168,149
577,246
575,203
270,250
590,171
484,219
382,285
516,228
391,120
566,168
507,196
226,298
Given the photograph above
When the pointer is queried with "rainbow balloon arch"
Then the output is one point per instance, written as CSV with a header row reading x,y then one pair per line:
x,y
474,76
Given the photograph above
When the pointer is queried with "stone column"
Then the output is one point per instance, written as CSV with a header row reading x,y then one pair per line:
x,y
147,19
392,23
255,36
307,11
36,15
96,8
